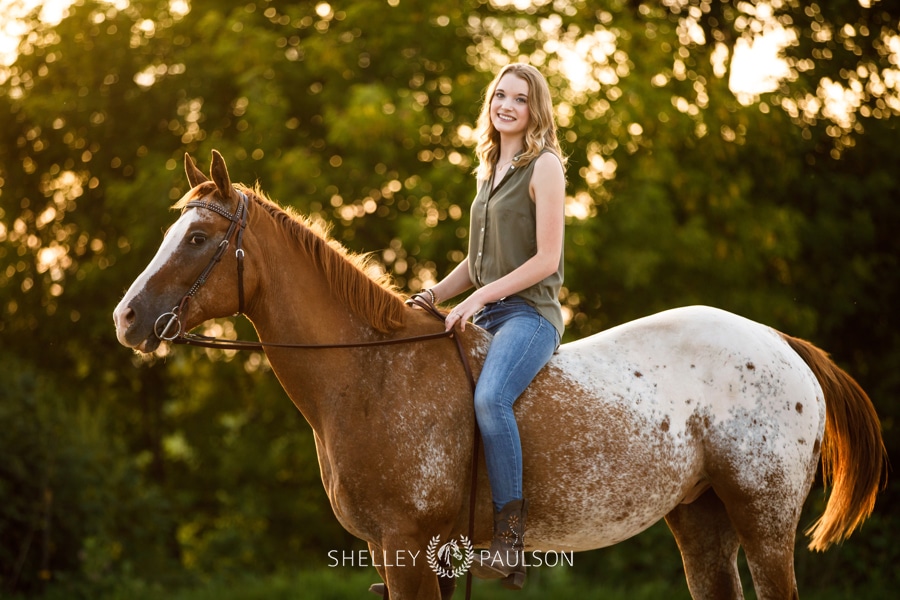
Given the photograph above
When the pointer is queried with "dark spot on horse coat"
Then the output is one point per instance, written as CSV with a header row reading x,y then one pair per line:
x,y
638,374
799,408
665,424
750,366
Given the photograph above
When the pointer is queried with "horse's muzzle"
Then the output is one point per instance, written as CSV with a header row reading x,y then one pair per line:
x,y
125,319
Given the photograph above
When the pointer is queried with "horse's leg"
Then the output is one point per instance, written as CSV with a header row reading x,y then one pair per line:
x,y
766,524
414,579
709,547
378,588
447,585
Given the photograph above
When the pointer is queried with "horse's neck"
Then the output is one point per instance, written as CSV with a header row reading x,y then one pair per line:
x,y
293,303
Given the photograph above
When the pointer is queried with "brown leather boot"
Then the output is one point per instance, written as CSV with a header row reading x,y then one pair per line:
x,y
506,557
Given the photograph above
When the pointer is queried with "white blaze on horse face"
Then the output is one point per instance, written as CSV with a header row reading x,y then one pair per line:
x,y
166,251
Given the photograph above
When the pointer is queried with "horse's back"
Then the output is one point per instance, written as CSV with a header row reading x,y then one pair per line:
x,y
625,424
697,351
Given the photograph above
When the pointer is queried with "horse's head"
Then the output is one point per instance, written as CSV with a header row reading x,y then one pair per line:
x,y
180,289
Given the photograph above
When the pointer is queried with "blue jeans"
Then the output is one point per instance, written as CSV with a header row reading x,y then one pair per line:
x,y
523,342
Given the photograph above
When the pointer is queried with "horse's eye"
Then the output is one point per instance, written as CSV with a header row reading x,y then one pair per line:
x,y
197,239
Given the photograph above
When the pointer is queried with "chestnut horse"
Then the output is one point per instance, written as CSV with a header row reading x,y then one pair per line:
x,y
709,420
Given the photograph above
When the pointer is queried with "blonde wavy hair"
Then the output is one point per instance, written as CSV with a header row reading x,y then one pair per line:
x,y
541,133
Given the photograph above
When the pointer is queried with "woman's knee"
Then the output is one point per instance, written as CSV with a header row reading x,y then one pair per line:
x,y
484,404
488,411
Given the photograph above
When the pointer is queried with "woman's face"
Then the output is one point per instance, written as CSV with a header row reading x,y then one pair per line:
x,y
509,106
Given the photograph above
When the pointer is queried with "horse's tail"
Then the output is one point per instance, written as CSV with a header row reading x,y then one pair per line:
x,y
853,453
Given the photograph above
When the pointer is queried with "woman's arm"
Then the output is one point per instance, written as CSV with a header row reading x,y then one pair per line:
x,y
453,284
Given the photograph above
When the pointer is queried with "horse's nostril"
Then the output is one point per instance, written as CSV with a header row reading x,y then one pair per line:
x,y
123,318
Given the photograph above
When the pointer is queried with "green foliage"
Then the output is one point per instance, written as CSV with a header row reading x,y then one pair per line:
x,y
75,507
337,584
126,476
244,470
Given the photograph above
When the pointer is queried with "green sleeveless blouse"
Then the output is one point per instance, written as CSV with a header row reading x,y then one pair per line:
x,y
503,236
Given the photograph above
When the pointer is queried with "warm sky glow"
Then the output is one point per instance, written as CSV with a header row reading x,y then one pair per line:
x,y
756,67
52,11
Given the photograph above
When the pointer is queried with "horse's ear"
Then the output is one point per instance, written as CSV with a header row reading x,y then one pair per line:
x,y
195,176
219,173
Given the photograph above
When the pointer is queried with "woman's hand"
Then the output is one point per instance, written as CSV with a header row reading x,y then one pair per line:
x,y
463,311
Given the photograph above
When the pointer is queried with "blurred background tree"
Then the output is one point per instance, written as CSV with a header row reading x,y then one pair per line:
x,y
686,185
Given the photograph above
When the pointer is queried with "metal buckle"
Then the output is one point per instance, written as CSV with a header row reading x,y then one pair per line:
x,y
173,319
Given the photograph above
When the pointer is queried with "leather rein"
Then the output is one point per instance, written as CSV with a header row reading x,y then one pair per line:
x,y
238,224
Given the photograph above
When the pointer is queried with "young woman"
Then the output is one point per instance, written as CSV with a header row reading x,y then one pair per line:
x,y
515,263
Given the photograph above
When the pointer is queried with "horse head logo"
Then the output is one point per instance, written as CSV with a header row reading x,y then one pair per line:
x,y
451,559
450,552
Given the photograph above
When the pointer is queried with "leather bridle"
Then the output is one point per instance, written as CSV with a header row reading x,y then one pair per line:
x,y
168,326
238,218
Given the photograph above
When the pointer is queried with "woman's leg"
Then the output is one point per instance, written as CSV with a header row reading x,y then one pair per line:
x,y
523,343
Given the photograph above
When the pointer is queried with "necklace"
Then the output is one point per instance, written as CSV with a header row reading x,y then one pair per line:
x,y
502,166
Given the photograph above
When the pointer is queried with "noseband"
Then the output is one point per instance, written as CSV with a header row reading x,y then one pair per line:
x,y
168,325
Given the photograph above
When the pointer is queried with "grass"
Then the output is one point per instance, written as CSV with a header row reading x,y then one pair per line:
x,y
342,583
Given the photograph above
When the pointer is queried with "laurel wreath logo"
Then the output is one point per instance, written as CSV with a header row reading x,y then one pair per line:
x,y
458,556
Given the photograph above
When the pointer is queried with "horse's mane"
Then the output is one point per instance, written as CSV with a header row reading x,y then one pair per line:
x,y
356,279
